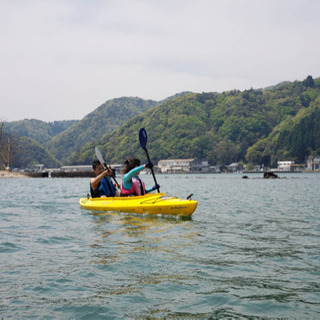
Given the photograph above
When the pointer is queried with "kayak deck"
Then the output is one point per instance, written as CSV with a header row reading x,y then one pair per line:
x,y
152,203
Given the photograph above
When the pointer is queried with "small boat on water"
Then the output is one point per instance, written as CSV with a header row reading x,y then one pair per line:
x,y
151,203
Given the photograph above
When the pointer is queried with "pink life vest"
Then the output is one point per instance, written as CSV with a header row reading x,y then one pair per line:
x,y
137,189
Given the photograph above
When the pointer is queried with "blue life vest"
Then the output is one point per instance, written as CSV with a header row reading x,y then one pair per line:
x,y
105,187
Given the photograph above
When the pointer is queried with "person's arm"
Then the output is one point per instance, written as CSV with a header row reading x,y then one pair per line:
x,y
149,190
126,181
95,181
152,189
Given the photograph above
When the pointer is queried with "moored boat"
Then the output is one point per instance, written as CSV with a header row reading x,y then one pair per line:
x,y
152,203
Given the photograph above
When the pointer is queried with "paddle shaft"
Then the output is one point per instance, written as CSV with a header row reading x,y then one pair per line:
x,y
113,177
154,177
100,158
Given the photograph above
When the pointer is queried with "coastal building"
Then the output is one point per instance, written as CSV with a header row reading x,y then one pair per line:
x,y
175,165
200,166
233,167
313,163
183,166
286,165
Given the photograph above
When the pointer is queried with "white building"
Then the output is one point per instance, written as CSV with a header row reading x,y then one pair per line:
x,y
286,165
183,166
175,165
233,167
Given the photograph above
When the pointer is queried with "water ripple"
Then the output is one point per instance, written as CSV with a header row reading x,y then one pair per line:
x,y
249,251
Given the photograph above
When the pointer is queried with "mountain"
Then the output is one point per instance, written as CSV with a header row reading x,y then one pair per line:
x,y
28,153
64,137
294,138
219,127
106,118
260,126
27,139
37,130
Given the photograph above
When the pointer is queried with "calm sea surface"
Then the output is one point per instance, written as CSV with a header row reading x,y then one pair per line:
x,y
251,249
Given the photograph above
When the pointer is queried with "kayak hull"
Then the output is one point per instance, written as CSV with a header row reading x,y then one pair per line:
x,y
154,203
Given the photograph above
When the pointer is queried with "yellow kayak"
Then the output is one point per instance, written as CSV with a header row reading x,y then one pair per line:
x,y
151,203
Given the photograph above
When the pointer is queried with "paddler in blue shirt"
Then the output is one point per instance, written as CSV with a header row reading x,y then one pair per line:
x,y
101,185
132,185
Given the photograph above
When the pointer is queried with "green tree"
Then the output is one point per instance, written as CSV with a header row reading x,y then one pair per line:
x,y
309,82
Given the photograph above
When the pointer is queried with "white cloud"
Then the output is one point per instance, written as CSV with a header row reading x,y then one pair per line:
x,y
62,59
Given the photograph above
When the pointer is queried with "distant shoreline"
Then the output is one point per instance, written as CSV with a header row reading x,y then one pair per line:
x,y
9,174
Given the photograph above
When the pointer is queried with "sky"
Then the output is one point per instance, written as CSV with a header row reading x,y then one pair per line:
x,y
61,59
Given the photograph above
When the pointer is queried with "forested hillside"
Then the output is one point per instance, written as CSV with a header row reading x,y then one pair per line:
x,y
28,153
254,126
223,128
294,138
106,118
37,130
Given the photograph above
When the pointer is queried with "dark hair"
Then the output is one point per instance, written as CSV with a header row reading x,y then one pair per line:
x,y
130,164
95,163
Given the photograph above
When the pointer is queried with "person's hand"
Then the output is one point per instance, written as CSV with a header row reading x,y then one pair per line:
x,y
108,172
149,165
155,187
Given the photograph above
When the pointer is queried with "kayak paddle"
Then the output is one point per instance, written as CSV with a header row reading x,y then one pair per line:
x,y
143,143
100,158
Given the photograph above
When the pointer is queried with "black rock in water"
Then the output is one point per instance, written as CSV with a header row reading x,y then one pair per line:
x,y
270,175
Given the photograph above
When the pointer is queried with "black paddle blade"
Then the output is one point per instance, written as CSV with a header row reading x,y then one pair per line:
x,y
143,138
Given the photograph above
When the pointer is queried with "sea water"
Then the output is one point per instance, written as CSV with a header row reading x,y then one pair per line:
x,y
250,250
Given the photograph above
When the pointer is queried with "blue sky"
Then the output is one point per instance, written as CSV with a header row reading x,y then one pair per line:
x,y
60,60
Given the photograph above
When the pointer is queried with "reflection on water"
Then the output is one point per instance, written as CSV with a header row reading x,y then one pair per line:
x,y
124,234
